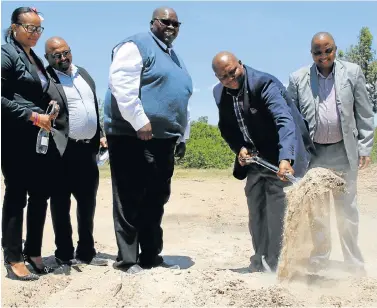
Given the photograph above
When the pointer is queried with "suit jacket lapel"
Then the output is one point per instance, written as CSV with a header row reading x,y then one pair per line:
x,y
338,81
28,65
55,78
246,97
313,83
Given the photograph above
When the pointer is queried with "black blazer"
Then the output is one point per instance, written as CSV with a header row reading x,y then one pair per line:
x,y
273,121
21,93
62,121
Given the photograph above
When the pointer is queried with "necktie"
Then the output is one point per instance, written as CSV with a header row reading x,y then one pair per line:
x,y
174,57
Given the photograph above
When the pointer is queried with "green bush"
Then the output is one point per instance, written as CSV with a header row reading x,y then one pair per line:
x,y
206,148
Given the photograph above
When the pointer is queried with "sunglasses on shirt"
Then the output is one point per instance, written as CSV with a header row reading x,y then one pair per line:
x,y
168,22
58,56
327,52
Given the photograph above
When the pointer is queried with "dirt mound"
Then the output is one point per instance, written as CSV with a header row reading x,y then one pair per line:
x,y
305,199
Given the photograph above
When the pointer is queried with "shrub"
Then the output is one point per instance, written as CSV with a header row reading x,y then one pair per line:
x,y
206,148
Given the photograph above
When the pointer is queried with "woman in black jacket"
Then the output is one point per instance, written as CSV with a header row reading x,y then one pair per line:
x,y
24,101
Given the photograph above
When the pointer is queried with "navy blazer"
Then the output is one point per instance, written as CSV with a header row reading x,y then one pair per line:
x,y
276,127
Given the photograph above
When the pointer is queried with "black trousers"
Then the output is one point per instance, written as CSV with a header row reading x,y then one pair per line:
x,y
26,173
76,174
141,174
266,202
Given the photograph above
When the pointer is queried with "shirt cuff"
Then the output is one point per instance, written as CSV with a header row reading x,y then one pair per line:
x,y
140,121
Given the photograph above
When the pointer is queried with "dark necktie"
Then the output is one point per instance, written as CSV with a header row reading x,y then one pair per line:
x,y
174,57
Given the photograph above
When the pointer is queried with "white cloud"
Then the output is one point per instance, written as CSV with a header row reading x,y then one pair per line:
x,y
196,90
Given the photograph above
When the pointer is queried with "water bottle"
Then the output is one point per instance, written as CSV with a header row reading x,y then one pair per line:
x,y
102,156
44,135
42,141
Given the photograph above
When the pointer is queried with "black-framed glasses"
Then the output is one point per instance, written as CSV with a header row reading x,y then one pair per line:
x,y
168,22
58,56
320,53
31,28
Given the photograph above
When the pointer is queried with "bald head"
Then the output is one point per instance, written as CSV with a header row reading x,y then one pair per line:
x,y
58,54
222,59
321,36
162,11
52,42
228,69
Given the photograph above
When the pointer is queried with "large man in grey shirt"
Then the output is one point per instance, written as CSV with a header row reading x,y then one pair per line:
x,y
332,96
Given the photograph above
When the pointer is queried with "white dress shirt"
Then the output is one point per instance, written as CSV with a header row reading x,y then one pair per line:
x,y
124,83
80,103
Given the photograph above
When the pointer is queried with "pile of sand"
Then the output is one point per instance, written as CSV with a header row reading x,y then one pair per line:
x,y
305,199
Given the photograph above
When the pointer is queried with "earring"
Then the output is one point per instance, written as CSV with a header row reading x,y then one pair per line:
x,y
15,34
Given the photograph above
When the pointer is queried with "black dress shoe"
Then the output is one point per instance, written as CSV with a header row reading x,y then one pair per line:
x,y
12,275
158,262
66,262
128,268
94,261
134,269
44,270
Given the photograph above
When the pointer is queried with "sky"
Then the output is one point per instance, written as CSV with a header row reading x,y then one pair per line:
x,y
269,36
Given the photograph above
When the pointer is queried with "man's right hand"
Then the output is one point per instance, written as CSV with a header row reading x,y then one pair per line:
x,y
244,153
145,133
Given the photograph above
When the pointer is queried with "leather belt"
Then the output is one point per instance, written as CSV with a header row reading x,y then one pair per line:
x,y
79,140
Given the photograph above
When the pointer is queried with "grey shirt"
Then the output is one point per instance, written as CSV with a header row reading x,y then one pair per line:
x,y
329,128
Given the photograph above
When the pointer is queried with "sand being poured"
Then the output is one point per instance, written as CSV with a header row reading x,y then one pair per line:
x,y
305,199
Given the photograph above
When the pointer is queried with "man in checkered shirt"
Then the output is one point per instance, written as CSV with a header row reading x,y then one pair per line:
x,y
257,116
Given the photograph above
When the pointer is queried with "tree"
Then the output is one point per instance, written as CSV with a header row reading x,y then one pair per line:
x,y
203,119
363,55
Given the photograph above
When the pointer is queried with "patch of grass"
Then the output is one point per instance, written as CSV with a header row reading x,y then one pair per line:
x,y
374,150
104,171
182,173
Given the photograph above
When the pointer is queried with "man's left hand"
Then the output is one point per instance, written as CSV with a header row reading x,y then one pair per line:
x,y
364,162
180,150
284,168
103,142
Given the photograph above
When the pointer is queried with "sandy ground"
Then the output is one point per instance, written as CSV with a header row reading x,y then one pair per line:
x,y
206,233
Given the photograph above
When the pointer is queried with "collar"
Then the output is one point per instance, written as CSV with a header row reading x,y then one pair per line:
x,y
74,71
330,76
161,43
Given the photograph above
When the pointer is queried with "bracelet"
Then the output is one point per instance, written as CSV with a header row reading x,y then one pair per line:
x,y
36,119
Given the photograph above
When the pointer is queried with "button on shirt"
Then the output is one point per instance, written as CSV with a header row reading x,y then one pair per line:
x,y
124,82
80,103
329,128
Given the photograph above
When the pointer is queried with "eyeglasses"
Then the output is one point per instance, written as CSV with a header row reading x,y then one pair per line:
x,y
327,52
58,56
168,22
31,28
